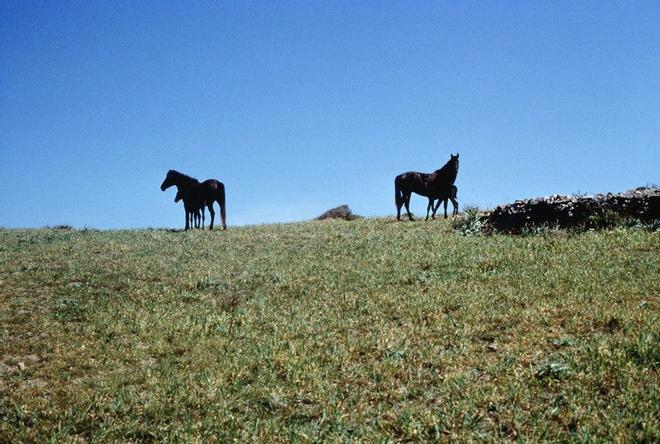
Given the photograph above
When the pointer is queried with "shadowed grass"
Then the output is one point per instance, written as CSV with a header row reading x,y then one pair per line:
x,y
330,330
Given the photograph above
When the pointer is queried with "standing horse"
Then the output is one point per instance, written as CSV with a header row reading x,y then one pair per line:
x,y
210,191
450,194
184,184
193,204
434,185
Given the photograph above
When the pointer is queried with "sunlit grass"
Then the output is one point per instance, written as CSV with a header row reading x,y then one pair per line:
x,y
368,329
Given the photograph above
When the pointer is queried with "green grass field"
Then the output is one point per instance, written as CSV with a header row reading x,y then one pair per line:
x,y
365,330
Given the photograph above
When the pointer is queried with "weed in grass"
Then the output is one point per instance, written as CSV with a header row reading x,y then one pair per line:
x,y
553,370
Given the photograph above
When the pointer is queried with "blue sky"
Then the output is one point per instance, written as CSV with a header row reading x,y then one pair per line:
x,y
301,106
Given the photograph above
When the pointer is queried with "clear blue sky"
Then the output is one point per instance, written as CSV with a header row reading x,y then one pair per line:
x,y
301,106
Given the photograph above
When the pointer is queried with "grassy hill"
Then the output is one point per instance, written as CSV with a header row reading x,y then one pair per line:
x,y
331,330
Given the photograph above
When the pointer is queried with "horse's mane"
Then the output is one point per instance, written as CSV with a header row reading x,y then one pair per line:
x,y
182,176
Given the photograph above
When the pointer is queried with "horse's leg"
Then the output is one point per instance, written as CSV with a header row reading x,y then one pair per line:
x,y
437,205
428,208
445,205
397,198
399,204
407,204
435,208
203,215
454,202
212,212
186,212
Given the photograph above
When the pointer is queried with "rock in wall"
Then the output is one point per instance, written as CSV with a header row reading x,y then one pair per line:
x,y
340,212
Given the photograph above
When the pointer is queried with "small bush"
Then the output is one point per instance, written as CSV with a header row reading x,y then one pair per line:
x,y
653,225
609,219
470,223
604,219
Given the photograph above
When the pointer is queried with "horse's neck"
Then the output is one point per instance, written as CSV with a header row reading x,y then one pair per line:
x,y
446,173
448,167
186,182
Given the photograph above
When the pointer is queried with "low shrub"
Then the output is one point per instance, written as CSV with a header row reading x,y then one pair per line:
x,y
470,223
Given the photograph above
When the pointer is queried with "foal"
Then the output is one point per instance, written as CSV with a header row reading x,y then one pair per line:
x,y
193,204
448,194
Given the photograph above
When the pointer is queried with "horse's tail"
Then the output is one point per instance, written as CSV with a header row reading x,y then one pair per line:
x,y
398,192
221,202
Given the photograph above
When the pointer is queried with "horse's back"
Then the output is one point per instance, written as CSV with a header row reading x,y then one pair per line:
x,y
408,177
213,190
212,184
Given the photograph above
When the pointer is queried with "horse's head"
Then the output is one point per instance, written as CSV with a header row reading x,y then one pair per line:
x,y
170,179
179,196
454,160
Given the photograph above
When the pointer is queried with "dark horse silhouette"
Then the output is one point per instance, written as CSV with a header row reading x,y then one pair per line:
x,y
452,192
196,192
436,185
193,204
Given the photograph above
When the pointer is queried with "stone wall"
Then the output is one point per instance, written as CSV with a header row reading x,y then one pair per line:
x,y
574,211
